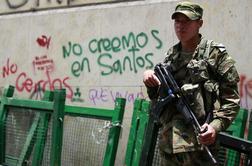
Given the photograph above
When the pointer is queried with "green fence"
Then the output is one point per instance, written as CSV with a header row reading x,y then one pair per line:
x,y
143,138
139,124
50,106
236,129
112,123
50,132
37,133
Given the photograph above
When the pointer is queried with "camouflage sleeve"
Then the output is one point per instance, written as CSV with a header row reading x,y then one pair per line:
x,y
229,98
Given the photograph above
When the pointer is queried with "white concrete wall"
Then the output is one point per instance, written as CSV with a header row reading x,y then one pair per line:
x,y
47,48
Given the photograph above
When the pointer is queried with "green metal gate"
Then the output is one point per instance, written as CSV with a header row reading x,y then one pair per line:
x,y
143,138
49,132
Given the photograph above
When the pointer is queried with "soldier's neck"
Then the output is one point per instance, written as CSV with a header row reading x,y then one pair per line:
x,y
191,45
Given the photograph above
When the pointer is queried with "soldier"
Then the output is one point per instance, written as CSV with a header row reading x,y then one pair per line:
x,y
195,61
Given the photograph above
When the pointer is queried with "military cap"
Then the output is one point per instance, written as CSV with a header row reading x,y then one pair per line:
x,y
192,10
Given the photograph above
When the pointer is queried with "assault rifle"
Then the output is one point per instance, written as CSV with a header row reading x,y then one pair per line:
x,y
172,92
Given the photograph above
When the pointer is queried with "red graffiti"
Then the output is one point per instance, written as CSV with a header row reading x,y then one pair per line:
x,y
44,41
9,69
245,86
43,63
26,83
245,91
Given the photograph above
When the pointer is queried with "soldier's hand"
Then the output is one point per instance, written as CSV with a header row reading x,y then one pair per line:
x,y
150,79
208,135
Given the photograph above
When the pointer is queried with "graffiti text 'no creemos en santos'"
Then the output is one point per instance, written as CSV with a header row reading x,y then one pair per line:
x,y
107,51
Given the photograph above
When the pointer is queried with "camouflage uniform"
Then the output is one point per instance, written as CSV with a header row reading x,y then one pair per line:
x,y
213,70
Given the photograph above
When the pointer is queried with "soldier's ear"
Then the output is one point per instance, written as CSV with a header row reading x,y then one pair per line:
x,y
200,23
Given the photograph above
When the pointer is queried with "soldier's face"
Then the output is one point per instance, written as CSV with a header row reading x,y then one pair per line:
x,y
185,28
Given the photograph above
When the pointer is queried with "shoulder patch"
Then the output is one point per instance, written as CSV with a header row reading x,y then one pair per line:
x,y
220,46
